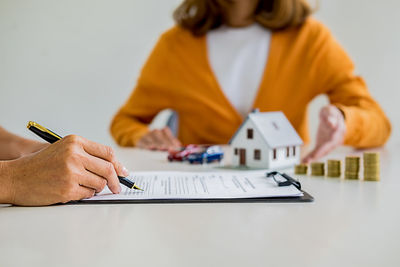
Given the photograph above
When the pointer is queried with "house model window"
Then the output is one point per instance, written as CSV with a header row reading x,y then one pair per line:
x,y
274,153
257,154
249,133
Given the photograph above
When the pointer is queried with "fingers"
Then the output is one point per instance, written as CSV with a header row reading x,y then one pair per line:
x,y
105,153
93,181
159,139
145,143
331,132
83,192
325,144
148,141
175,143
119,168
319,152
103,169
309,157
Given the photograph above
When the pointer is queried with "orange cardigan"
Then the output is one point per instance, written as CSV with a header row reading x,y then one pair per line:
x,y
303,62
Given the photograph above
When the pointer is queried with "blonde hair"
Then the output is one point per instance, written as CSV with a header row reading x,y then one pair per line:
x,y
200,16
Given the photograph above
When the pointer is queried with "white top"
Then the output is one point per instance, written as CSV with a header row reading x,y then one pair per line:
x,y
238,57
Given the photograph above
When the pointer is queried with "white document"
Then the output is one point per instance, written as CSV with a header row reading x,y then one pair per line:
x,y
200,185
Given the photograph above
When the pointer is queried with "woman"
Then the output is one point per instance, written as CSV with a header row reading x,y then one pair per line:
x,y
226,57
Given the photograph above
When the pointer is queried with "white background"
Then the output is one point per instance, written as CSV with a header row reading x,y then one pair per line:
x,y
71,64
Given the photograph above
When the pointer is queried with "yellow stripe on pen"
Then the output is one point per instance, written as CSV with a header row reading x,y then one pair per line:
x,y
43,129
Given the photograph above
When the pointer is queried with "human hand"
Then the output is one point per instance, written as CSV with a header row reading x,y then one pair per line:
x,y
331,132
13,146
27,147
159,140
70,169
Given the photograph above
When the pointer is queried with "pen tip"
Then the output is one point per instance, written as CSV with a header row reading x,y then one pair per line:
x,y
137,188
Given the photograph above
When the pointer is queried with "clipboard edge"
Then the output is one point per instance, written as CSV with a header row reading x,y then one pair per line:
x,y
306,198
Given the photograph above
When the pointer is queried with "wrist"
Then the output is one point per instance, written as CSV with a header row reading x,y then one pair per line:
x,y
26,146
139,135
10,148
7,190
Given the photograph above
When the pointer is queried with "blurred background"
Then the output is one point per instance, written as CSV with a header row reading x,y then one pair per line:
x,y
70,65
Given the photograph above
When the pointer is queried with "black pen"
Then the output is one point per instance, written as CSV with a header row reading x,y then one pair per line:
x,y
52,137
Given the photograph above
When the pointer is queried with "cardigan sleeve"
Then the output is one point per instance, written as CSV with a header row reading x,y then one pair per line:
x,y
147,99
366,123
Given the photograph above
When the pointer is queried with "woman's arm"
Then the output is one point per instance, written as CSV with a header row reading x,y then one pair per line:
x,y
366,123
353,117
151,95
13,146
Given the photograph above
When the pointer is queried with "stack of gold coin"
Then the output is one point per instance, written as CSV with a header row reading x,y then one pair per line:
x,y
352,167
300,169
334,168
371,166
318,169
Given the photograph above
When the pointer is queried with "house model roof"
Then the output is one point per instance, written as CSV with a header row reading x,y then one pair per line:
x,y
274,128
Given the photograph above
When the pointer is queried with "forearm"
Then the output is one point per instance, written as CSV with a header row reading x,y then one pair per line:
x,y
13,146
366,127
6,182
366,123
10,145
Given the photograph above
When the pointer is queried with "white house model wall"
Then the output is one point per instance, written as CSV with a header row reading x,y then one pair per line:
x,y
250,146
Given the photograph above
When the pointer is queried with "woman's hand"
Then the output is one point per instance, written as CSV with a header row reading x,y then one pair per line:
x,y
331,132
70,169
159,140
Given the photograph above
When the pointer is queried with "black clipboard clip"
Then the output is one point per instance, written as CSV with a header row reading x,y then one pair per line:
x,y
287,179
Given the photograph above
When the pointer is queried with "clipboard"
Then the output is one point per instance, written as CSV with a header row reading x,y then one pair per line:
x,y
302,199
169,187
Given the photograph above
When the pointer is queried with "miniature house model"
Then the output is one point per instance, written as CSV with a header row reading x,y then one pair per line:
x,y
266,140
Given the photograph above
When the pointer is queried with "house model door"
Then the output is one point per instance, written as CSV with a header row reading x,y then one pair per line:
x,y
242,157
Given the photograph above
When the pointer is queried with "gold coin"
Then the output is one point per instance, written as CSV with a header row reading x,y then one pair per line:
x,y
317,168
300,169
371,162
334,168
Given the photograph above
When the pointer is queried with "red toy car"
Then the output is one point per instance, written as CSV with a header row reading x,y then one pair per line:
x,y
184,152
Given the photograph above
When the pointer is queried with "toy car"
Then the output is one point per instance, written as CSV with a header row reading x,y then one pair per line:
x,y
183,153
210,154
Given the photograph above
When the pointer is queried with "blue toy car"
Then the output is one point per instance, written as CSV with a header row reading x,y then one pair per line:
x,y
210,154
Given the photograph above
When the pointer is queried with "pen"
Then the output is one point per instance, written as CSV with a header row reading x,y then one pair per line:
x,y
52,137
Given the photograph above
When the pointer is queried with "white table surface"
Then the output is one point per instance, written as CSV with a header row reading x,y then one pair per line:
x,y
351,223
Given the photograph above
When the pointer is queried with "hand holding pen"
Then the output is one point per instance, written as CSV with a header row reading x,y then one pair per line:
x,y
52,137
73,168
